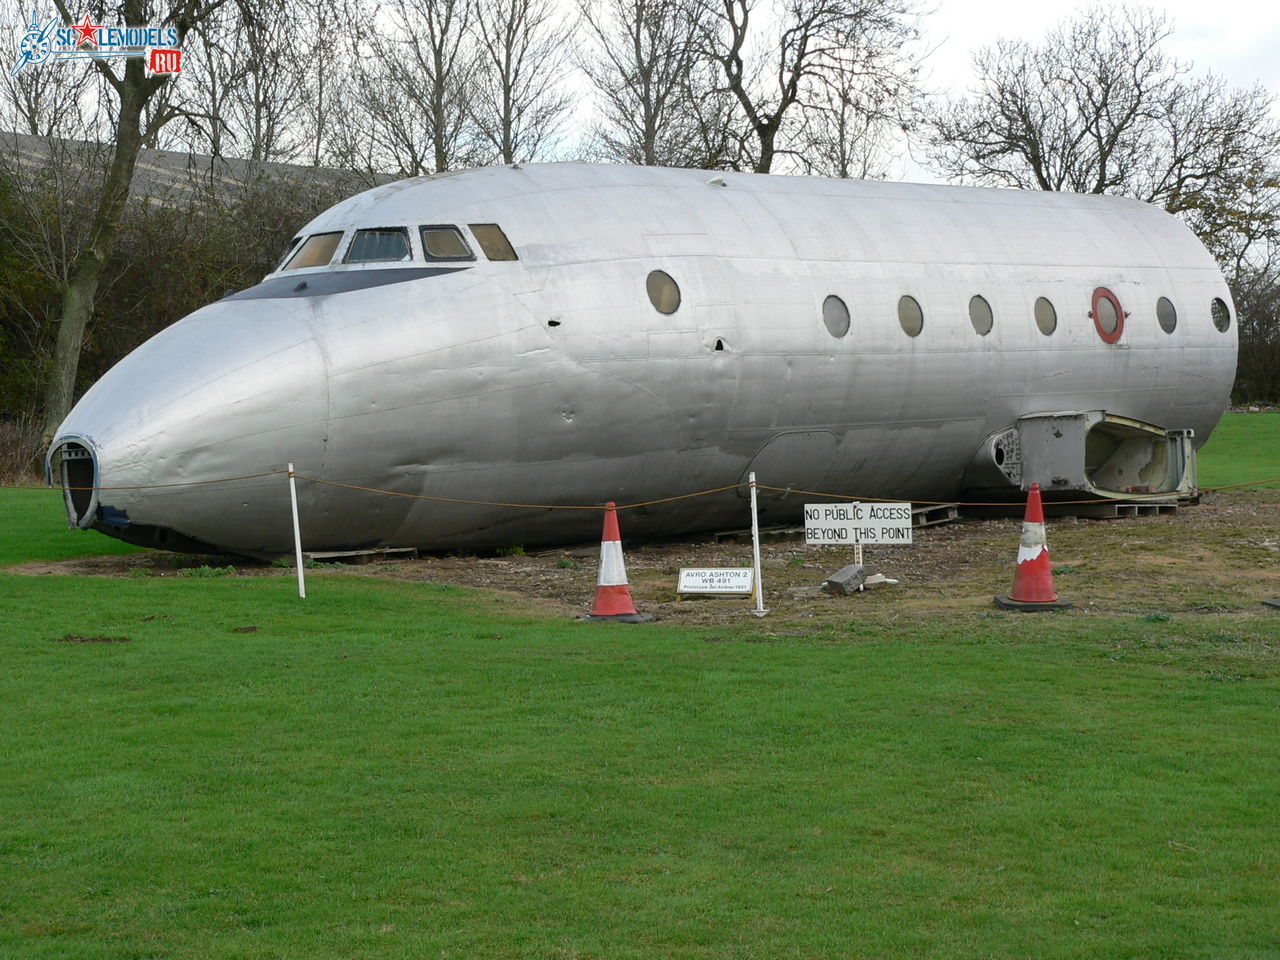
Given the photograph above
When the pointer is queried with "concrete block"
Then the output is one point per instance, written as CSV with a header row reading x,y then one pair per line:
x,y
846,580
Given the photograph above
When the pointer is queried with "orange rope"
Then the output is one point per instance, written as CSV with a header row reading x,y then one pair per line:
x,y
154,486
650,503
1247,483
990,503
526,506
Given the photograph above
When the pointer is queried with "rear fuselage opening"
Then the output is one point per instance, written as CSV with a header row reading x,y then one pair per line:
x,y
1128,457
1088,453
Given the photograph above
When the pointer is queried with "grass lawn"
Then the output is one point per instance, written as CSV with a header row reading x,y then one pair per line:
x,y
1244,447
33,526
400,770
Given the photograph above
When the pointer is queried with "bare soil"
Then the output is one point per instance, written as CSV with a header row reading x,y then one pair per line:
x,y
1221,556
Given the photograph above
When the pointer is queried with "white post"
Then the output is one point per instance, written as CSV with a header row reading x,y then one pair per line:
x,y
857,558
760,611
297,535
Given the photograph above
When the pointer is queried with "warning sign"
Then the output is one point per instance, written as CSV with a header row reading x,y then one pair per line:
x,y
828,524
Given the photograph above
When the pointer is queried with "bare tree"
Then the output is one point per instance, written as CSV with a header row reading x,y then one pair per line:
x,y
1099,108
404,106
324,72
817,44
48,102
843,136
243,86
210,78
130,91
643,61
262,116
1256,291
50,172
519,98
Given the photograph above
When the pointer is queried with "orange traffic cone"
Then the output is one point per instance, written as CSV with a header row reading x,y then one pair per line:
x,y
1033,581
613,593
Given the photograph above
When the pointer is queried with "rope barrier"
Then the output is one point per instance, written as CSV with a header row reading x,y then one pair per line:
x,y
1247,483
644,503
418,496
1138,497
525,506
152,486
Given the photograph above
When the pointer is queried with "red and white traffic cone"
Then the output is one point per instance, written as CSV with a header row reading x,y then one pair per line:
x,y
613,593
1033,582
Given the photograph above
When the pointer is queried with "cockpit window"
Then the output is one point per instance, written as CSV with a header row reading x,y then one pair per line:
x,y
383,243
445,243
493,241
315,252
293,245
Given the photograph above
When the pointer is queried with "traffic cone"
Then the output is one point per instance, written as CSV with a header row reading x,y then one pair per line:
x,y
1033,582
613,593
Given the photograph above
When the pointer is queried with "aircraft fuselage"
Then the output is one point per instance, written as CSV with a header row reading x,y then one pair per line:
x,y
575,375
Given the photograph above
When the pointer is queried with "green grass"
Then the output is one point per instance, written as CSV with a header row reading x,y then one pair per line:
x,y
391,770
33,526
399,770
1244,447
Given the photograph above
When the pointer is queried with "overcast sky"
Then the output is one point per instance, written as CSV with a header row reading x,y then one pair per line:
x,y
1239,39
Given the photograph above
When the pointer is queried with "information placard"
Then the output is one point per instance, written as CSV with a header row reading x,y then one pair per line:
x,y
717,581
827,524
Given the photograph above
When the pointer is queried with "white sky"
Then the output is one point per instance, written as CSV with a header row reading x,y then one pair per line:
x,y
1238,39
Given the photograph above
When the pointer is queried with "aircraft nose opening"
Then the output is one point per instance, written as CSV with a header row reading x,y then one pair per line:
x,y
76,469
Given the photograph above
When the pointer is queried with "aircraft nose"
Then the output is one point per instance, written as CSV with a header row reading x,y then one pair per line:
x,y
234,389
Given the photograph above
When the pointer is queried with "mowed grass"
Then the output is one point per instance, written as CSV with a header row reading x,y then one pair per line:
x,y
33,526
392,770
1244,447
399,770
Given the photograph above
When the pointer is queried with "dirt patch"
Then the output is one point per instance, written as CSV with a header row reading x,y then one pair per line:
x,y
1220,556
73,639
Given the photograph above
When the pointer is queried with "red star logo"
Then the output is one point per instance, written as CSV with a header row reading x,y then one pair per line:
x,y
88,32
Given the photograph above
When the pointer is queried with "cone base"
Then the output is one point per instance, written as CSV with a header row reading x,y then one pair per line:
x,y
619,617
1030,606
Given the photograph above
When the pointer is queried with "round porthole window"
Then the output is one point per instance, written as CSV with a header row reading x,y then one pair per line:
x,y
1046,316
1166,315
910,316
1108,317
835,315
664,294
980,315
1221,315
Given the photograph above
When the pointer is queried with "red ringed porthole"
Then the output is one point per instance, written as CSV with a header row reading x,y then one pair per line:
x,y
1107,316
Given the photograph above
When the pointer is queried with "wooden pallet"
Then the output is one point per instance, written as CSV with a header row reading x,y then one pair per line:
x,y
1113,511
360,556
766,533
930,515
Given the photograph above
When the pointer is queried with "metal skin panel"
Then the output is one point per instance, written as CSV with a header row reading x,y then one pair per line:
x,y
552,379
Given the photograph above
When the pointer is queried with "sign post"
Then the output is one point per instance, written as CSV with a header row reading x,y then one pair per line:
x,y
297,535
856,524
759,611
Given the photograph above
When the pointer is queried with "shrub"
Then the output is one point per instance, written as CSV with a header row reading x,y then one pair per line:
x,y
21,451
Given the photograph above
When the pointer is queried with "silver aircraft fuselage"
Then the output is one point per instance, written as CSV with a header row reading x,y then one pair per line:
x,y
555,378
